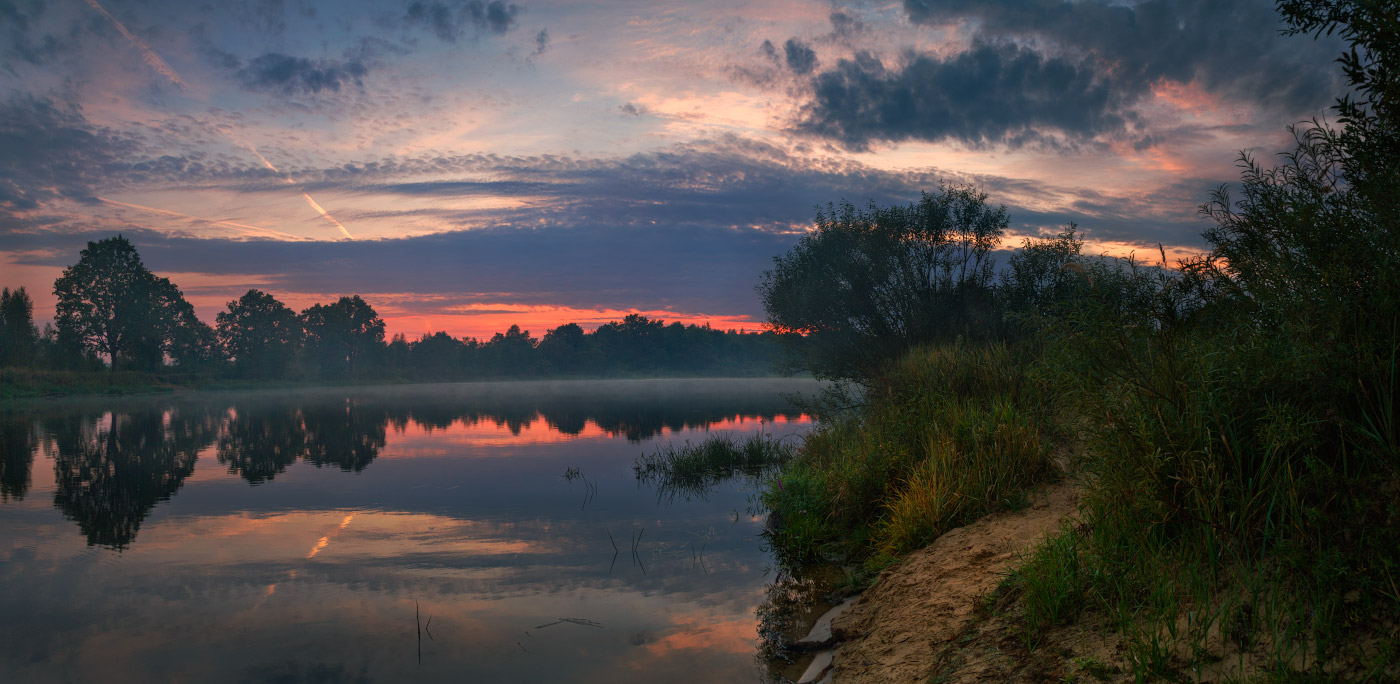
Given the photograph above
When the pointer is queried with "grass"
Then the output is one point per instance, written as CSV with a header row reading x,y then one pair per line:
x,y
1235,524
691,470
948,434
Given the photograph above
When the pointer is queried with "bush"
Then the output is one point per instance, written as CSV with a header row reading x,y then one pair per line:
x,y
868,285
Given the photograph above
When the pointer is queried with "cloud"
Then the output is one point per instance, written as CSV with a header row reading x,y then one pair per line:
x,y
541,42
845,27
631,109
799,56
1103,58
23,38
49,150
275,72
450,19
989,94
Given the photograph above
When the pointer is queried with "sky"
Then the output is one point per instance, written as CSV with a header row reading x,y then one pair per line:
x,y
466,165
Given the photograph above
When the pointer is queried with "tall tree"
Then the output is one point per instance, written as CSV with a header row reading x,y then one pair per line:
x,y
18,336
113,305
260,333
340,337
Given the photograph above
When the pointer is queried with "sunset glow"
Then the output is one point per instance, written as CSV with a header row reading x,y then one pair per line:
x,y
555,162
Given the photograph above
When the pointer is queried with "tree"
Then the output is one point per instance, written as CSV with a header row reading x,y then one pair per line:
x,y
260,333
510,353
866,285
111,304
631,344
341,336
562,346
18,336
438,355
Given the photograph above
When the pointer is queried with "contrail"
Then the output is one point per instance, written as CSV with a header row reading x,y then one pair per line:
x,y
289,180
155,62
147,53
328,216
218,222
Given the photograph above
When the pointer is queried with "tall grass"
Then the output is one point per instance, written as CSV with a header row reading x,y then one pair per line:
x,y
947,434
1239,521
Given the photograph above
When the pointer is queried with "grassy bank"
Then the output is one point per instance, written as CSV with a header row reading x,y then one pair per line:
x,y
1240,519
948,434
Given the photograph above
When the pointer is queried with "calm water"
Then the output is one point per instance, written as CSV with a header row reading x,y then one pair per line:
x,y
290,537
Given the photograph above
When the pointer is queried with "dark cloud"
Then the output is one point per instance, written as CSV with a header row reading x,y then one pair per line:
x,y
1107,56
450,19
289,75
991,93
730,183
49,150
541,42
799,56
630,109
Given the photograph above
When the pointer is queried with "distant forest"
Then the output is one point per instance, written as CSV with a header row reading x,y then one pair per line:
x,y
114,314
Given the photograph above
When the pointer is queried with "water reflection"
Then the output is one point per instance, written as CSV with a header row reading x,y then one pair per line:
x,y
113,467
306,527
17,445
109,472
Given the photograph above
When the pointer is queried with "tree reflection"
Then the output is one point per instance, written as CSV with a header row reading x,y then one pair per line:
x,y
347,436
17,445
112,468
107,478
259,445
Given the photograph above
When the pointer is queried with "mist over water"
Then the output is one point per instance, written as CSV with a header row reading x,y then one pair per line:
x,y
286,536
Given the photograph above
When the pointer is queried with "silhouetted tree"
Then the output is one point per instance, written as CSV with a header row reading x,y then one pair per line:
x,y
113,305
341,337
260,333
18,336
867,285
566,348
438,355
510,353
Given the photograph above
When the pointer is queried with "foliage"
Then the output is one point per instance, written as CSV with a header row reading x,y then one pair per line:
x,y
19,338
949,433
112,305
260,333
342,337
867,285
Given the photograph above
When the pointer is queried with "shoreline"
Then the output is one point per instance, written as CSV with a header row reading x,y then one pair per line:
x,y
91,386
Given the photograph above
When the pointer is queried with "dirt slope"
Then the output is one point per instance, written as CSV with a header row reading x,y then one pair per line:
x,y
919,622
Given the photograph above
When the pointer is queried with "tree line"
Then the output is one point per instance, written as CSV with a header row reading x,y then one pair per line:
x,y
115,314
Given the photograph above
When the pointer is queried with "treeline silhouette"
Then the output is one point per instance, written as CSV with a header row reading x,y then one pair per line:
x,y
114,314
112,468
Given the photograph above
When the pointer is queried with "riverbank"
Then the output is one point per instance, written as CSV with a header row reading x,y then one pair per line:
x,y
1208,538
